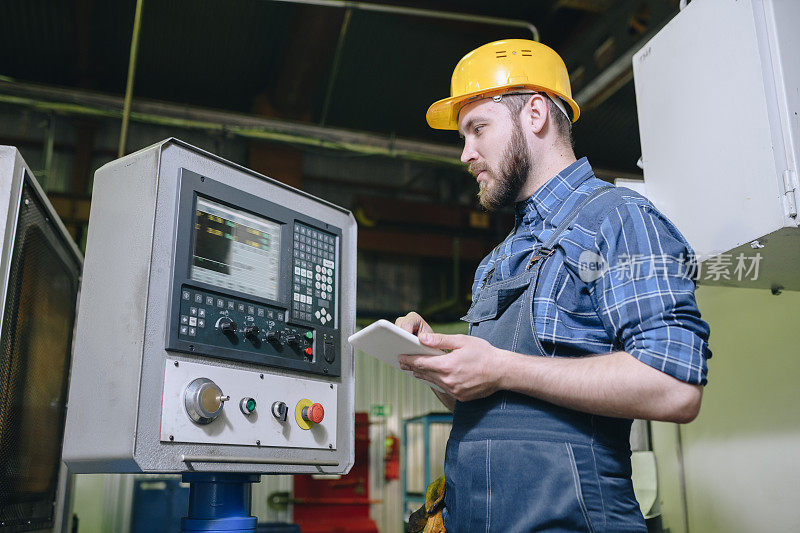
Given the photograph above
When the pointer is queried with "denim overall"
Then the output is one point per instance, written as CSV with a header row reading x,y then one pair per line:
x,y
518,464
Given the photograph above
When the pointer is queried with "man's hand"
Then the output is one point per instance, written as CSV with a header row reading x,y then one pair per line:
x,y
470,371
413,323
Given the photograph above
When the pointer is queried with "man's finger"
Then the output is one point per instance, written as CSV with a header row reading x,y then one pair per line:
x,y
413,323
443,342
403,322
427,363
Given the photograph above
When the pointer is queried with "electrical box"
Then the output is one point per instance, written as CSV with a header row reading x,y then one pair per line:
x,y
718,97
212,325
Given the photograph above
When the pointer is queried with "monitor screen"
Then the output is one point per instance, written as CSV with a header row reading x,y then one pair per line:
x,y
235,250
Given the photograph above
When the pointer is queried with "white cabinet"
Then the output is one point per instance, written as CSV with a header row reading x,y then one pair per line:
x,y
718,96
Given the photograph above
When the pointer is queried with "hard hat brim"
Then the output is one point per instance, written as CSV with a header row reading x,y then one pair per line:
x,y
443,114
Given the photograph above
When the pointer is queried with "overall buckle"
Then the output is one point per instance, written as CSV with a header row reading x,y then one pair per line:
x,y
540,254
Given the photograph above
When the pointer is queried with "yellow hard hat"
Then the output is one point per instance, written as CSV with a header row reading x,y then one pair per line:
x,y
509,65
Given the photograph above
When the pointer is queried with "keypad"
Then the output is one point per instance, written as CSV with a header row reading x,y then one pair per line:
x,y
314,275
200,312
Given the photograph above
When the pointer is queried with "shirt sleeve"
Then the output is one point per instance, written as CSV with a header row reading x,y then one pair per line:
x,y
644,292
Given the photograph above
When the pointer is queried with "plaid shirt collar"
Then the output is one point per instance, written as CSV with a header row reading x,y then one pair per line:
x,y
552,194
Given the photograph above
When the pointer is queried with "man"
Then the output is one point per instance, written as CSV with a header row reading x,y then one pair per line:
x,y
582,319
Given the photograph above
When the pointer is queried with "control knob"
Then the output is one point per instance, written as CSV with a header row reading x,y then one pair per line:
x,y
251,332
279,410
203,400
227,326
274,337
293,340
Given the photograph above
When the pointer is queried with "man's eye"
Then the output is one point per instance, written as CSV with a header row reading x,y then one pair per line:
x,y
478,129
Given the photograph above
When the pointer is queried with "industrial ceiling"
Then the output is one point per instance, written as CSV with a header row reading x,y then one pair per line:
x,y
340,65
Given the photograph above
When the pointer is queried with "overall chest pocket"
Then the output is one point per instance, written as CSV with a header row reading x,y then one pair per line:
x,y
493,300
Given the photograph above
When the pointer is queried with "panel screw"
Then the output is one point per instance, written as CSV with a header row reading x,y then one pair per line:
x,y
176,363
172,437
324,370
262,376
191,347
331,385
330,446
202,178
258,443
776,289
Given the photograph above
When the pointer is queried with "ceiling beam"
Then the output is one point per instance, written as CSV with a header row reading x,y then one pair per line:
x,y
79,102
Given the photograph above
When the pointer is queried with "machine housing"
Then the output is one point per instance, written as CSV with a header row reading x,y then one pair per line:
x,y
176,236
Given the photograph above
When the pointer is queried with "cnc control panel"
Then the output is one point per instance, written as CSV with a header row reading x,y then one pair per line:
x,y
253,281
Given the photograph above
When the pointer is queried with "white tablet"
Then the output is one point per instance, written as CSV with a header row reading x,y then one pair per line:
x,y
385,341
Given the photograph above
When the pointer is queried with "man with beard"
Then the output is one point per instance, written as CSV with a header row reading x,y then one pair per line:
x,y
582,319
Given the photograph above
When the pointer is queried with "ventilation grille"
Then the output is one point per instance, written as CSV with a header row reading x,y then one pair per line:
x,y
35,353
505,53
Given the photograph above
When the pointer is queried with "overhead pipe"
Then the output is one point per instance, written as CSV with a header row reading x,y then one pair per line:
x,y
126,108
425,13
84,103
335,69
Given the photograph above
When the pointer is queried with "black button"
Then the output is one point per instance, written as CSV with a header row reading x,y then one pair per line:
x,y
329,351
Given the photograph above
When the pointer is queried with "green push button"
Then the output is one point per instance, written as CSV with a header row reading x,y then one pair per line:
x,y
247,405
309,335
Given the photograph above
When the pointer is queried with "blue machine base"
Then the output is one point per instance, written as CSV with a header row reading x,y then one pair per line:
x,y
219,503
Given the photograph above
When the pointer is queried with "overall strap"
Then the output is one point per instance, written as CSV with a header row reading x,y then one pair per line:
x,y
547,250
489,270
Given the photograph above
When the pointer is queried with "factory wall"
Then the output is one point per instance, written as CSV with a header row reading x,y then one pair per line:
x,y
741,456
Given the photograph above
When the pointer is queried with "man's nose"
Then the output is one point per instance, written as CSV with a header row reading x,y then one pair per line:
x,y
468,154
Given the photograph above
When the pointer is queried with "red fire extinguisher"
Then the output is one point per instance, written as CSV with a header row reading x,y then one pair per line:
x,y
391,458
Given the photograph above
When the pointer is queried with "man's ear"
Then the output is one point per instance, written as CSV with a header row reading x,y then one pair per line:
x,y
537,113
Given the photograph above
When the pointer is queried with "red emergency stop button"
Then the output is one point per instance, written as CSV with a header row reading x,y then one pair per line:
x,y
313,413
309,351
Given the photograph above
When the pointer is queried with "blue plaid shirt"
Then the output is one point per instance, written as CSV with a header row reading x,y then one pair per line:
x,y
642,302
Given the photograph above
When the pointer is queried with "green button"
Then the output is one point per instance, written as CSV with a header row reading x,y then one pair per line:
x,y
251,405
309,335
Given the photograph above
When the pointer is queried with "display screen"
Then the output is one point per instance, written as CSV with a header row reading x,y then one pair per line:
x,y
235,250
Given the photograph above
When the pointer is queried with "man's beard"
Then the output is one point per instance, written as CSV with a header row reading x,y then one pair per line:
x,y
514,169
